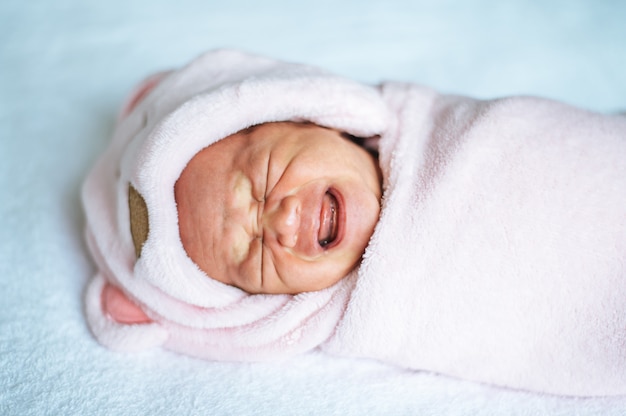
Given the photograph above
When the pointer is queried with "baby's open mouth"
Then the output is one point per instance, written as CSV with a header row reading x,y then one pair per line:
x,y
328,220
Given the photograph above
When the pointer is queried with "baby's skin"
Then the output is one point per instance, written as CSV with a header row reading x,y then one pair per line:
x,y
279,208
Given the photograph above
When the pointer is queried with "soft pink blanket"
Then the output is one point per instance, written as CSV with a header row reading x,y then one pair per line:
x,y
500,254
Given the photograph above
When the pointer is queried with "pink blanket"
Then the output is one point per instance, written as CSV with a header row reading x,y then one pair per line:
x,y
500,254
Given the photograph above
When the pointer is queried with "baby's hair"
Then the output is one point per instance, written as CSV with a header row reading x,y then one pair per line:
x,y
250,129
361,142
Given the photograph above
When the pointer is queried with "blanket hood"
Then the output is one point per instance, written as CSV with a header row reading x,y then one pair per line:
x,y
170,118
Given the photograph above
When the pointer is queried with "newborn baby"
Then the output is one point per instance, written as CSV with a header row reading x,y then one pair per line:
x,y
279,207
235,216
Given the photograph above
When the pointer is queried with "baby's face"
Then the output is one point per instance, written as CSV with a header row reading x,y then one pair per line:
x,y
279,208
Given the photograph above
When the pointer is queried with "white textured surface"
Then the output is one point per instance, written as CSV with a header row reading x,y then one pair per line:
x,y
65,67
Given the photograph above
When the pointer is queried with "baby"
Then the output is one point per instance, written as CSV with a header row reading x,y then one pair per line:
x,y
235,216
279,207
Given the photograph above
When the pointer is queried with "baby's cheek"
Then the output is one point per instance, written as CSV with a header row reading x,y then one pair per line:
x,y
341,264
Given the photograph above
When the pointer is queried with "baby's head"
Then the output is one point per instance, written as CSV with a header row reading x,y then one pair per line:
x,y
179,204
279,207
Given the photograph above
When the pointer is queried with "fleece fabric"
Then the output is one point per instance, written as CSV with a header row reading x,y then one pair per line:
x,y
498,257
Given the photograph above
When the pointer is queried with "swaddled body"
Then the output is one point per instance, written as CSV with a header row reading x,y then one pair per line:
x,y
509,266
498,257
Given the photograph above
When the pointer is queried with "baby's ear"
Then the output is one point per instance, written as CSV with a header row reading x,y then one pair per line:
x,y
121,309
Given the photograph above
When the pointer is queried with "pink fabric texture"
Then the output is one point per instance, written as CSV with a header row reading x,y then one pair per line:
x,y
499,257
218,94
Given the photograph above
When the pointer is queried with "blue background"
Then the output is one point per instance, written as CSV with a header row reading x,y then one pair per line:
x,y
66,65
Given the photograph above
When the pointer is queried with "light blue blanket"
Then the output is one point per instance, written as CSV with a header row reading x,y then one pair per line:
x,y
65,66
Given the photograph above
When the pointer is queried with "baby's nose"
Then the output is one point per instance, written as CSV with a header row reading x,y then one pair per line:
x,y
284,221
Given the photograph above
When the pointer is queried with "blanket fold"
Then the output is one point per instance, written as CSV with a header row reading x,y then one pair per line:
x,y
499,256
509,265
164,124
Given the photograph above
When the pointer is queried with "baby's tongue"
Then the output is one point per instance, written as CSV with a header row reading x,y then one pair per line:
x,y
328,223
